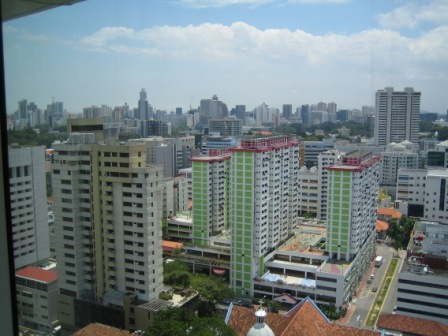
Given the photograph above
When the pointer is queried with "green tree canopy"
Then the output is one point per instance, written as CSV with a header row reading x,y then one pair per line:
x,y
211,288
178,321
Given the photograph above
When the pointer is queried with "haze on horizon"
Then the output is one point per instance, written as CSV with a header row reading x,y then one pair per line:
x,y
245,51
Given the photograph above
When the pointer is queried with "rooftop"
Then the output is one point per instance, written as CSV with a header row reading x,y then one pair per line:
x,y
38,274
307,239
389,212
304,319
411,325
97,329
420,259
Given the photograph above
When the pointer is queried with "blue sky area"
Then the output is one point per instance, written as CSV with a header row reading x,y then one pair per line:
x,y
245,51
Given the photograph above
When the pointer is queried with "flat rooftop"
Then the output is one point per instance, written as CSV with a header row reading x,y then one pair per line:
x,y
425,263
307,239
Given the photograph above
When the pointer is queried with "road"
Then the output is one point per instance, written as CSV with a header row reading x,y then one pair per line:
x,y
364,301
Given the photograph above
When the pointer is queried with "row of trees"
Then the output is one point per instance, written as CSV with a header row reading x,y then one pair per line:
x,y
29,137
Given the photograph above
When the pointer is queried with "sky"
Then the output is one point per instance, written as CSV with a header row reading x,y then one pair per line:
x,y
247,52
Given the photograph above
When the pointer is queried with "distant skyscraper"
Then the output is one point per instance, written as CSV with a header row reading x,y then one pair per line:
x,y
28,205
343,115
397,116
143,106
23,109
212,109
240,112
178,111
305,114
332,107
287,111
321,106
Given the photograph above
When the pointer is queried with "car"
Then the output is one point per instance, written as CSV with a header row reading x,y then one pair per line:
x,y
374,289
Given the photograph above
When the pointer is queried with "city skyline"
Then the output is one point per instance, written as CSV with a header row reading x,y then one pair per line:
x,y
245,51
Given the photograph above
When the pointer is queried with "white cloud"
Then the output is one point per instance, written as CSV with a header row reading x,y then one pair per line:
x,y
246,63
240,41
414,13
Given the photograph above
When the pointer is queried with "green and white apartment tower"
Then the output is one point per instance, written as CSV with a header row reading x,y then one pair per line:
x,y
263,204
210,196
353,185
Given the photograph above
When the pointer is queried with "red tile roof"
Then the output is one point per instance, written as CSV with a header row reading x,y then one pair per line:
x,y
381,226
38,274
304,319
170,246
389,212
96,329
412,325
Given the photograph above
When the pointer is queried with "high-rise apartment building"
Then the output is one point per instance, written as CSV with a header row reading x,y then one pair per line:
x,y
210,196
325,159
29,216
397,115
352,204
107,209
308,193
262,203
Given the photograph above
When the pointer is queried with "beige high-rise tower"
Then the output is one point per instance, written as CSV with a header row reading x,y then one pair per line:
x,y
107,207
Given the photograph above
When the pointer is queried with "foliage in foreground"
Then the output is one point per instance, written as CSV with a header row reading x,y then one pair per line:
x,y
210,288
179,322
332,312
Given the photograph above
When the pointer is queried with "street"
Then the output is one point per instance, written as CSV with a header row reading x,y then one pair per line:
x,y
364,301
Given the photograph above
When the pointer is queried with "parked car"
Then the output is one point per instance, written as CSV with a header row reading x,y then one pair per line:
x,y
374,289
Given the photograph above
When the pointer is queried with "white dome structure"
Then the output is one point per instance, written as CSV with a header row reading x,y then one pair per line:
x,y
260,328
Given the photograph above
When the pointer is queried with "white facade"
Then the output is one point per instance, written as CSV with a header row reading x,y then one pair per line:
x,y
28,194
397,115
325,159
436,196
411,184
188,173
314,148
308,191
396,156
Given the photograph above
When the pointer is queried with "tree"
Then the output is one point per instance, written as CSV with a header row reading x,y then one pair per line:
x,y
178,321
332,312
400,231
174,266
164,228
211,288
178,278
205,308
273,306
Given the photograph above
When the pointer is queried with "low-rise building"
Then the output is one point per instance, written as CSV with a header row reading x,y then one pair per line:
x,y
37,299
